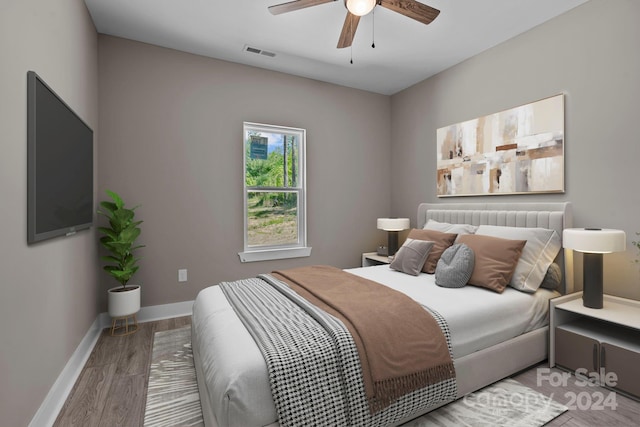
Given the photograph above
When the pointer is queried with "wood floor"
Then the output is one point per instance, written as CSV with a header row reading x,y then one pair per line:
x,y
111,390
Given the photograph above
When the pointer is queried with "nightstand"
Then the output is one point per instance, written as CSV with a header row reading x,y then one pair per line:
x,y
596,343
372,258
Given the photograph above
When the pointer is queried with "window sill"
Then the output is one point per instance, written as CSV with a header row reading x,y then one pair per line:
x,y
272,254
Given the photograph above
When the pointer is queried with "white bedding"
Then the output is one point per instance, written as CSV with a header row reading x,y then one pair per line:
x,y
236,378
478,318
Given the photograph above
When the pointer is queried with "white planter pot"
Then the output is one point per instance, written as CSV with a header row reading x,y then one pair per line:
x,y
124,303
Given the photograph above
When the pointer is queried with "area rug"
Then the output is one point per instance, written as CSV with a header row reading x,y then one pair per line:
x,y
172,396
173,399
506,403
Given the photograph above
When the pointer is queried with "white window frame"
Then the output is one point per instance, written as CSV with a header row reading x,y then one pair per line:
x,y
272,252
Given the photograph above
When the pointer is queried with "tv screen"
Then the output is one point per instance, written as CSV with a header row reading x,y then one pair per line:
x,y
59,165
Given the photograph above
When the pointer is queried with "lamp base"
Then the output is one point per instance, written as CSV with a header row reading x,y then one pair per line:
x,y
592,278
392,243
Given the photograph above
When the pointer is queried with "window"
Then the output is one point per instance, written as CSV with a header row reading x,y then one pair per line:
x,y
274,193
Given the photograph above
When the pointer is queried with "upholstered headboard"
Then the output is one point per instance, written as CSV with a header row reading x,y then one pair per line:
x,y
555,216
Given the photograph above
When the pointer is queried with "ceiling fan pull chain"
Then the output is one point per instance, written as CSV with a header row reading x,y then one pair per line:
x,y
351,45
373,31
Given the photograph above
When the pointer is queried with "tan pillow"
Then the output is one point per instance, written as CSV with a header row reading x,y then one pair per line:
x,y
495,260
537,255
441,241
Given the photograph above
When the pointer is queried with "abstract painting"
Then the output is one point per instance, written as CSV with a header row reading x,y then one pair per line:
x,y
515,151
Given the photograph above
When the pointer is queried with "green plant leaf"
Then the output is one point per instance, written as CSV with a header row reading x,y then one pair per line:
x,y
129,235
108,208
108,231
116,198
119,238
110,258
120,248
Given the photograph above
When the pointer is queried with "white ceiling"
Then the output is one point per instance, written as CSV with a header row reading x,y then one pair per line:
x,y
305,41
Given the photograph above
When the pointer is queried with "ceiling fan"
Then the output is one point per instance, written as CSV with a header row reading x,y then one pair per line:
x,y
357,8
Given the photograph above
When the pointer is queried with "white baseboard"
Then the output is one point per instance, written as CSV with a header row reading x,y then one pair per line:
x,y
48,411
154,312
57,396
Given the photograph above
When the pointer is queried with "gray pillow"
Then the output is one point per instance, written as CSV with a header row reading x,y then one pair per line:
x,y
553,277
455,266
411,256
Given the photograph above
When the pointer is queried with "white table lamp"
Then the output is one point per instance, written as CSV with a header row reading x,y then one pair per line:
x,y
593,242
393,226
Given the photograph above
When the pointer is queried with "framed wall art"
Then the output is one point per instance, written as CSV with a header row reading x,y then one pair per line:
x,y
515,151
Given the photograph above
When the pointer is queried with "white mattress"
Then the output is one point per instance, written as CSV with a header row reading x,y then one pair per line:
x,y
235,375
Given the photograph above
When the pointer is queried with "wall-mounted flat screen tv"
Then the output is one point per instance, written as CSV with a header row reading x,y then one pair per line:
x,y
59,165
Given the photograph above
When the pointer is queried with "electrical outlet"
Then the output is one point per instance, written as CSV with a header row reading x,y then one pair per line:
x,y
182,275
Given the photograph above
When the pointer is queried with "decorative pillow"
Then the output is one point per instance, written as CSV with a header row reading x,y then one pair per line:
x,y
411,256
441,241
495,260
455,266
541,249
445,227
553,278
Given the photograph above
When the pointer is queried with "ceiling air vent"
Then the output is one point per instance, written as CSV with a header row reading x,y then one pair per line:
x,y
257,51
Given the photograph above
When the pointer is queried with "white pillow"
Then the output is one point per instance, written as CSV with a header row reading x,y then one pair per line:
x,y
537,255
445,227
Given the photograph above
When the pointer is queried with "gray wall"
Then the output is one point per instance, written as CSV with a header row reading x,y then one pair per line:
x,y
49,290
171,141
591,55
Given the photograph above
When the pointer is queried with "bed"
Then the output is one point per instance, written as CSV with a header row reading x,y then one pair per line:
x,y
233,377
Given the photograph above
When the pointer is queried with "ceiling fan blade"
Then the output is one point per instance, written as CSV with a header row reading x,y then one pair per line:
x,y
295,5
348,30
412,9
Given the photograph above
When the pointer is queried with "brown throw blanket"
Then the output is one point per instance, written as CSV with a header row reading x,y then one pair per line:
x,y
401,346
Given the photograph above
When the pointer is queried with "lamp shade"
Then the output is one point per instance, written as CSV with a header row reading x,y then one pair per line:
x,y
360,7
393,224
594,240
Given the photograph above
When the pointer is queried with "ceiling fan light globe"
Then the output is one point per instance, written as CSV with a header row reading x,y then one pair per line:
x,y
360,7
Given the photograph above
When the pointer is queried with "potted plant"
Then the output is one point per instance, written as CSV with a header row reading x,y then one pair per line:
x,y
119,239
